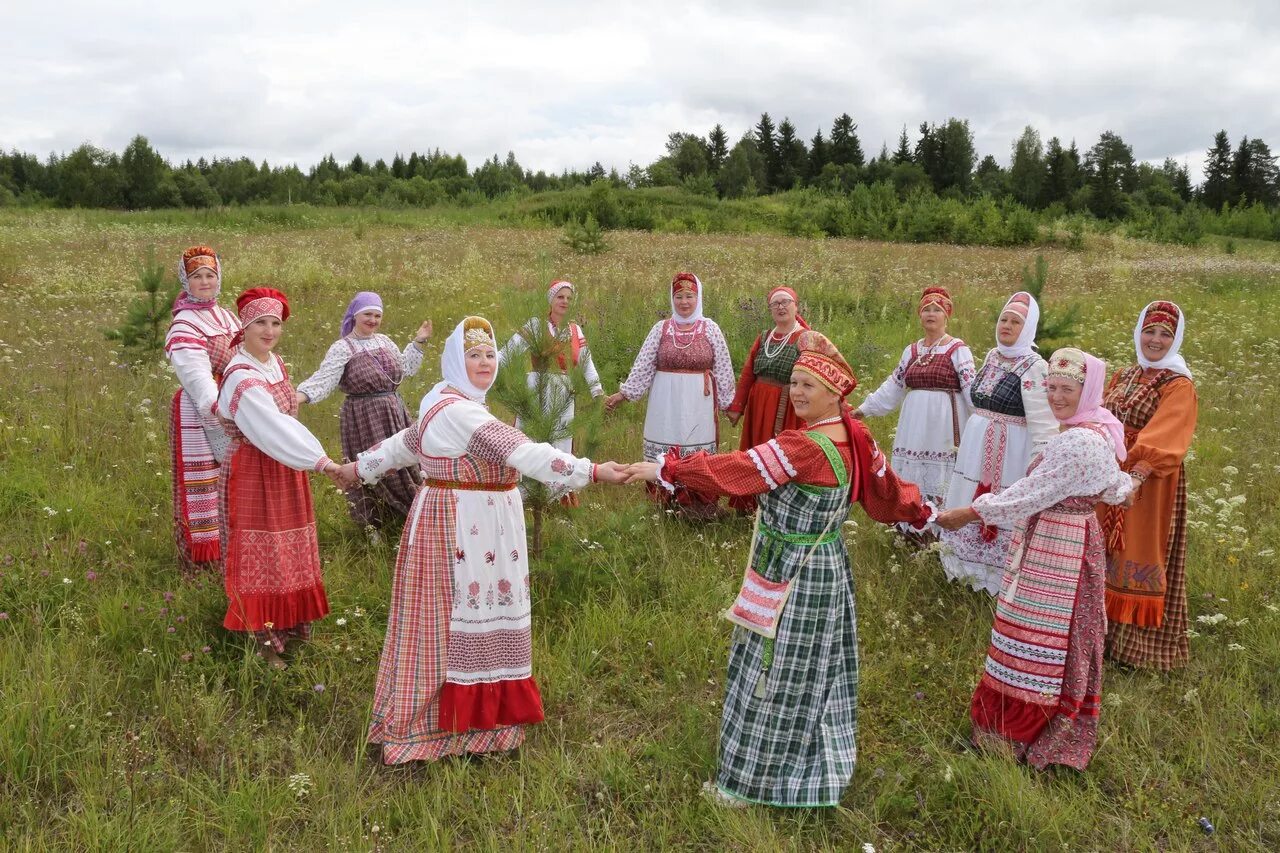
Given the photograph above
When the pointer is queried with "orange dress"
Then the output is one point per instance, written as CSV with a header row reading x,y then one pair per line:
x,y
1146,544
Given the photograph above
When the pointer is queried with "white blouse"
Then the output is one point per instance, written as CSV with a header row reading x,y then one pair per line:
x,y
517,345
646,364
1077,463
255,413
1042,426
327,376
190,359
467,427
889,396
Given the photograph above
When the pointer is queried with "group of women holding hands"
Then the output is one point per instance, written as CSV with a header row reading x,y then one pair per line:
x,y
1050,488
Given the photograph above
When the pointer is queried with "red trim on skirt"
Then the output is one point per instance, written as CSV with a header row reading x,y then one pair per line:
x,y
490,705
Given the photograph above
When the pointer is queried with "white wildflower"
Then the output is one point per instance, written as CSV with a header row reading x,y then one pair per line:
x,y
300,784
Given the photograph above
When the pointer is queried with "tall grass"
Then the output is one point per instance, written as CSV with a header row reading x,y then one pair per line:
x,y
130,719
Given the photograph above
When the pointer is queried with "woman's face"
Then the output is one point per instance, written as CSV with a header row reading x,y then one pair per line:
x,y
482,366
933,319
1009,327
368,322
560,304
686,302
812,400
1156,341
202,284
262,335
1064,396
783,308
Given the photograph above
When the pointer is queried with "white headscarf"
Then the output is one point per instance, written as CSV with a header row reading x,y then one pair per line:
x,y
697,311
557,286
1171,361
1027,337
453,362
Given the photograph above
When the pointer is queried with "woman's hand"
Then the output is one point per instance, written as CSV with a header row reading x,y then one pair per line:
x,y
1132,498
424,333
303,398
611,402
642,472
733,417
611,472
954,519
857,414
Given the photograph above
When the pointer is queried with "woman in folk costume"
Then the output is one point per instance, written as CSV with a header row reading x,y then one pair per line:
x,y
368,367
762,397
1010,426
198,345
562,346
456,669
1041,688
1147,543
931,383
273,582
684,367
787,734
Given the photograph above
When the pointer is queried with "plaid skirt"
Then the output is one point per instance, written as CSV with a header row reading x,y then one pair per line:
x,y
788,732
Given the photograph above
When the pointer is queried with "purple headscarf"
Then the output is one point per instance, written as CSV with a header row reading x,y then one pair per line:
x,y
364,300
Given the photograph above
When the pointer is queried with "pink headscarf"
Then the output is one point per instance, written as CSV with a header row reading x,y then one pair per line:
x,y
1079,365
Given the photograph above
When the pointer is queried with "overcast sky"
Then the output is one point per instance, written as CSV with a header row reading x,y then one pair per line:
x,y
563,84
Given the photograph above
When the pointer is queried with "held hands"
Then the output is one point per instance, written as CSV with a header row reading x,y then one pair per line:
x,y
613,400
642,472
954,519
343,476
733,417
611,472
1132,498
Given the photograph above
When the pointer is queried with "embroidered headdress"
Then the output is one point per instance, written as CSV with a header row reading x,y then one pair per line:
x,y
686,282
935,296
1091,372
557,286
821,360
256,303
192,259
1165,315
472,332
1069,363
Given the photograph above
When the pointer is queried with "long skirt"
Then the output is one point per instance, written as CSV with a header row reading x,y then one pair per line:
x,y
924,446
196,449
455,674
681,418
364,421
273,577
1041,690
768,412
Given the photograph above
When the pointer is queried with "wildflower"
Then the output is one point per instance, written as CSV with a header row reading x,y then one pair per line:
x,y
91,575
1190,696
206,649
319,688
186,657
66,580
341,621
168,596
4,616
300,784
171,630
1235,647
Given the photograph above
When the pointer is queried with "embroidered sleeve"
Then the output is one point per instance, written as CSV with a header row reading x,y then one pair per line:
x,y
494,441
885,496
542,462
792,455
722,368
410,358
515,346
645,366
195,374
391,454
962,361
1042,426
889,396
1163,443
327,376
276,434
589,372
746,379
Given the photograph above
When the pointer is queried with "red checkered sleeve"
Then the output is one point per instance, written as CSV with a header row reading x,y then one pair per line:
x,y
885,496
763,468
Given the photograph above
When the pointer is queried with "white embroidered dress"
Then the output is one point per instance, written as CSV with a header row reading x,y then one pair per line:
x,y
557,384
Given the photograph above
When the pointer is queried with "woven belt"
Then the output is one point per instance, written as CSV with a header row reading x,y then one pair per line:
x,y
800,538
469,487
370,394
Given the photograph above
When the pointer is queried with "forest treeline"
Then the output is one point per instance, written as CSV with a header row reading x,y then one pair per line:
x,y
931,186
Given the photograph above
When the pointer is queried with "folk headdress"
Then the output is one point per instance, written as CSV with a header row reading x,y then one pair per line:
x,y
686,282
1024,305
194,258
783,290
256,303
471,333
935,296
1165,315
821,360
557,286
365,300
1091,372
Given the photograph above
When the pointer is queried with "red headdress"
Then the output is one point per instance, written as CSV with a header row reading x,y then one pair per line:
x,y
935,296
1163,314
796,299
259,302
685,281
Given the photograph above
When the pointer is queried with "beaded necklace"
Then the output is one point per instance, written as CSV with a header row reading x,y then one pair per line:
x,y
768,353
923,358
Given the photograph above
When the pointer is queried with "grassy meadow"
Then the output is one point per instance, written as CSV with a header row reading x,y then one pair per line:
x,y
129,719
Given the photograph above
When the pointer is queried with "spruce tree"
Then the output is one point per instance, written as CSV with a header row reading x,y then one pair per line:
x,y
1027,170
147,320
793,157
1112,176
903,154
1216,189
718,146
767,145
846,150
818,156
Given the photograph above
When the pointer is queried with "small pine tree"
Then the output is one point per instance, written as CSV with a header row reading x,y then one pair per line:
x,y
1055,327
147,319
585,237
541,405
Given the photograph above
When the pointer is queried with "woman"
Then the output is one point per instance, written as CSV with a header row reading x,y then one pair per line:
x,y
456,670
685,368
198,345
787,734
931,383
562,346
1011,424
1042,686
1147,543
369,368
762,388
274,587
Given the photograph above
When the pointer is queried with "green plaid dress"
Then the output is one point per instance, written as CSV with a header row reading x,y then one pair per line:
x,y
787,737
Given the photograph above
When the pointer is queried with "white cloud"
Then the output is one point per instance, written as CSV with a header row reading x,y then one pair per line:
x,y
565,84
